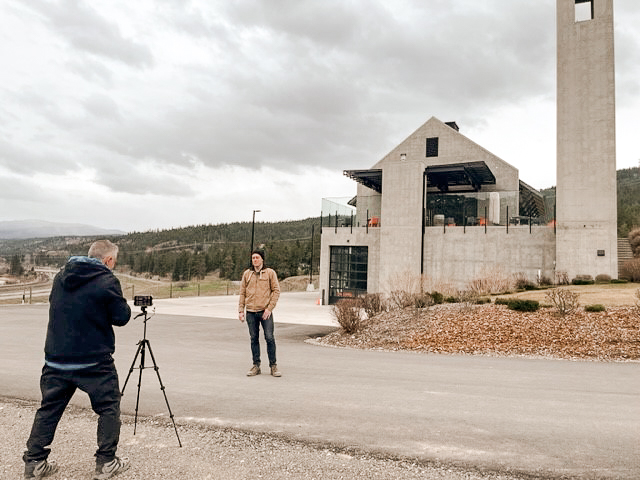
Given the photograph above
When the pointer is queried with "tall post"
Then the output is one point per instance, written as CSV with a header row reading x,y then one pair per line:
x,y
311,259
253,224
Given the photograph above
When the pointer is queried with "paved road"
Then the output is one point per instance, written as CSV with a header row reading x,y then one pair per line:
x,y
544,417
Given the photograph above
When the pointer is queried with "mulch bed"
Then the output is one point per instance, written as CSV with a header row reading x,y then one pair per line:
x,y
492,329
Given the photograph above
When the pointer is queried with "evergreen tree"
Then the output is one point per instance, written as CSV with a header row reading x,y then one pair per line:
x,y
15,267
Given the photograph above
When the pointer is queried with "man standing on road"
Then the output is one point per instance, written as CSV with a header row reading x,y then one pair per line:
x,y
259,293
85,303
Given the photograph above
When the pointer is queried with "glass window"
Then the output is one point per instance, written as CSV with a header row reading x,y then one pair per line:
x,y
347,272
432,147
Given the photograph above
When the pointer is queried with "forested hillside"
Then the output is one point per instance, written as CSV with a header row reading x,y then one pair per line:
x,y
628,195
628,200
193,252
190,252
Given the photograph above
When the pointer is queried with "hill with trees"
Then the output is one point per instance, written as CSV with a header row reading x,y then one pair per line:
x,y
192,252
628,200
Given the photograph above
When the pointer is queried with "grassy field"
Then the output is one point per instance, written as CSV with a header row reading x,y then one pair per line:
x,y
606,294
609,294
165,289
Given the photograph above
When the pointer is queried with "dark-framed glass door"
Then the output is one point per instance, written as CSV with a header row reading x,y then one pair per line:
x,y
348,270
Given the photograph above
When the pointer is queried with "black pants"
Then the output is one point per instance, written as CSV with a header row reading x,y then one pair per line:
x,y
100,382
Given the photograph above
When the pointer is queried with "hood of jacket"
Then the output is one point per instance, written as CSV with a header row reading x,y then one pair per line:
x,y
81,270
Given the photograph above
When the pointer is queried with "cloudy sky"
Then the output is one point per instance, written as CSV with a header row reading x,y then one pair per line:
x,y
147,114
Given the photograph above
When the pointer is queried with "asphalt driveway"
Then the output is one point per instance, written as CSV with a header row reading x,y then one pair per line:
x,y
544,417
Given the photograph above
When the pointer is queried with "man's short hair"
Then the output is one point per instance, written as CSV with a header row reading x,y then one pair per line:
x,y
103,248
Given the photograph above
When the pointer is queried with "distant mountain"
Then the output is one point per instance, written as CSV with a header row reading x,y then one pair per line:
x,y
16,229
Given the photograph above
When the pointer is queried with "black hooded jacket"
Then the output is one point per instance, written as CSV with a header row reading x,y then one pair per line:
x,y
85,303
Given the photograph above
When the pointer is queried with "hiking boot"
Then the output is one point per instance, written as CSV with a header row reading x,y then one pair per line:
x,y
275,372
39,469
112,468
255,370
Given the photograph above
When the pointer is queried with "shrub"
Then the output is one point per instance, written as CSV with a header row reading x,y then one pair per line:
x,y
422,301
347,312
437,298
494,281
467,298
634,241
630,270
564,300
451,299
583,280
373,303
521,281
636,310
619,280
603,278
482,300
545,281
401,299
562,278
523,305
501,301
596,307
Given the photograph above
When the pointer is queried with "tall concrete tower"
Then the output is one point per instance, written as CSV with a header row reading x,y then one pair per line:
x,y
586,239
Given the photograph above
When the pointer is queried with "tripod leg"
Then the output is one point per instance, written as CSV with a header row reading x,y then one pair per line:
x,y
143,344
166,400
132,366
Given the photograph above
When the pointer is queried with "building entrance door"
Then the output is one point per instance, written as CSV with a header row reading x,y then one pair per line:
x,y
347,272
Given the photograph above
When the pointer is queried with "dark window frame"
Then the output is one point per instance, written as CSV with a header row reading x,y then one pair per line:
x,y
432,146
348,272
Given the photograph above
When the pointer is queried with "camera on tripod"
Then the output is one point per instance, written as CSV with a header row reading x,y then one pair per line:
x,y
142,300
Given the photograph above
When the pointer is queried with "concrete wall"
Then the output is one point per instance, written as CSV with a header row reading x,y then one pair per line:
x,y
401,229
356,237
454,255
586,163
369,202
458,256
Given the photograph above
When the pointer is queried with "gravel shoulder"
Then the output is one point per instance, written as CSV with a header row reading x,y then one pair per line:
x,y
207,453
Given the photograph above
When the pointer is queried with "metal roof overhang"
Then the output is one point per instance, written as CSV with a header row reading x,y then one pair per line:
x,y
369,178
531,201
459,177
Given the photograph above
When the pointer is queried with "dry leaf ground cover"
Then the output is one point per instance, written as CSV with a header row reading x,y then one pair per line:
x,y
613,335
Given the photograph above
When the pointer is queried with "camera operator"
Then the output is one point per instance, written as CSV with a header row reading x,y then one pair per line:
x,y
86,301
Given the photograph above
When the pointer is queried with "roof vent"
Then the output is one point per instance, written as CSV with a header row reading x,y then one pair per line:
x,y
453,125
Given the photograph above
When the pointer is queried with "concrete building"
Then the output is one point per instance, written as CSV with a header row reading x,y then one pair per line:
x,y
438,205
586,242
441,207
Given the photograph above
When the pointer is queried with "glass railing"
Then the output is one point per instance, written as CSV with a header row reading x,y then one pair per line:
x,y
448,210
336,211
478,209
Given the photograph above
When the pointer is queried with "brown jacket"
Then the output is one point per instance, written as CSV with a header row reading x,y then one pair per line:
x,y
259,290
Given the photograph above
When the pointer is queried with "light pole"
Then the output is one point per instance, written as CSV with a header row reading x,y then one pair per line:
x,y
253,224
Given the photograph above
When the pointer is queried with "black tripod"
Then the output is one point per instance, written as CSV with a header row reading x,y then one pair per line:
x,y
143,345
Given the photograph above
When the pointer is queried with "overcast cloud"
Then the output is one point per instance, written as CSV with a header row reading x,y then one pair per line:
x,y
156,114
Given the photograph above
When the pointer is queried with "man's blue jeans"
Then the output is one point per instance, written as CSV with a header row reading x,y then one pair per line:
x,y
254,320
57,387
